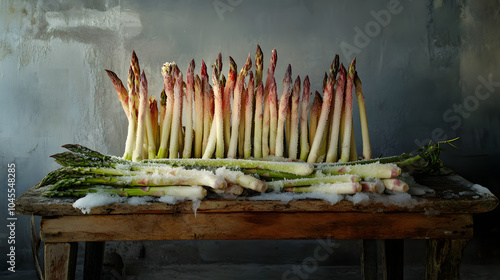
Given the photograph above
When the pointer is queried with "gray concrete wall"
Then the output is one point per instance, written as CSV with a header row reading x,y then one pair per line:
x,y
430,71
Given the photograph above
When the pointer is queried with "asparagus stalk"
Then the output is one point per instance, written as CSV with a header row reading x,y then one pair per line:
x,y
297,168
237,177
325,110
257,138
337,188
347,113
368,186
259,66
132,121
367,152
152,127
353,154
304,115
238,91
273,116
141,120
161,116
144,180
395,185
379,170
266,114
198,105
218,116
208,106
241,130
169,81
188,137
288,121
228,93
249,100
333,148
279,185
121,91
283,106
211,141
190,192
176,114
334,68
134,62
294,131
315,112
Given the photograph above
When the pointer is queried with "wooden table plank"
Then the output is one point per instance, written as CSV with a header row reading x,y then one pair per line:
x,y
254,226
453,194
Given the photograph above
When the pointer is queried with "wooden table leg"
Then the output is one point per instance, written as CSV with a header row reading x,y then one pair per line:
x,y
94,255
369,265
443,258
393,258
60,260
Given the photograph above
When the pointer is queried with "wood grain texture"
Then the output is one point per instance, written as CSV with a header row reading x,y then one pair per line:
x,y
60,260
254,226
443,259
453,194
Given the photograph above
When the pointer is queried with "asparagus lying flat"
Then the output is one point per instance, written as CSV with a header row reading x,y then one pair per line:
x,y
191,192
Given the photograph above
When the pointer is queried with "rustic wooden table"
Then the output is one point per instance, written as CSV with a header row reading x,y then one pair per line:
x,y
443,217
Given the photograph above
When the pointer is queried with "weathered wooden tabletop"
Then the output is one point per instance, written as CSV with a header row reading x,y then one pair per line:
x,y
452,195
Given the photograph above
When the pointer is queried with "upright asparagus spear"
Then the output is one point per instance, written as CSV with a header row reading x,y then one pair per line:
x,y
247,151
266,112
367,152
347,113
283,107
141,123
304,115
132,121
238,91
218,116
121,91
208,105
168,81
314,118
152,126
188,137
259,56
294,131
257,138
332,153
161,116
134,62
273,116
325,110
198,112
176,114
226,99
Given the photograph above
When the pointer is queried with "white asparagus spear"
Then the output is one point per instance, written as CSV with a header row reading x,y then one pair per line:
x,y
325,111
294,130
304,115
249,117
333,148
188,108
235,125
176,114
141,120
347,112
282,112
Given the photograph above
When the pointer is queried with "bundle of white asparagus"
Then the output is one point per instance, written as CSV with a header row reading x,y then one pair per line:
x,y
237,133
